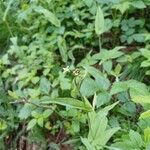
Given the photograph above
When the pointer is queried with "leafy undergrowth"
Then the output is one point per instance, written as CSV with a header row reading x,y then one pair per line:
x,y
75,75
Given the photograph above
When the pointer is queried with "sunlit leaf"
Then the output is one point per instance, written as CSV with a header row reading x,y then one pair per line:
x,y
99,21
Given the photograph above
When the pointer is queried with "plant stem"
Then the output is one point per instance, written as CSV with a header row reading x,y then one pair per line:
x,y
100,44
8,27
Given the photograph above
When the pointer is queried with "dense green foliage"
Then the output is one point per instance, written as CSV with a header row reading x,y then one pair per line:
x,y
75,74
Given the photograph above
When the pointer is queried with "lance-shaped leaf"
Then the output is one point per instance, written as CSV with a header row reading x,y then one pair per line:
x,y
48,15
99,21
69,102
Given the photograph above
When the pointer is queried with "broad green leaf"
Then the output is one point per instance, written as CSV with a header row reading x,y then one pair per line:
x,y
88,87
122,7
134,86
33,93
148,72
145,52
138,87
147,135
25,111
108,54
102,82
145,63
108,24
35,80
119,87
98,133
99,21
140,98
105,138
48,15
45,85
31,124
88,145
138,4
75,126
102,98
107,65
3,125
35,114
145,114
97,126
40,121
139,92
68,102
136,138
65,83
5,59
47,113
13,94
88,2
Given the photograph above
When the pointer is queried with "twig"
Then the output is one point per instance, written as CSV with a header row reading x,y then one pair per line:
x,y
29,102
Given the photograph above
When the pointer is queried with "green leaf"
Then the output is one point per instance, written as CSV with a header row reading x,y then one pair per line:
x,y
3,125
102,98
140,98
145,114
68,102
62,48
136,138
139,92
31,124
138,88
35,80
65,83
117,69
75,126
35,114
40,121
105,110
118,87
99,21
107,65
88,2
13,94
5,59
108,134
147,135
97,126
45,85
88,145
123,7
108,54
98,133
88,87
47,113
48,15
102,82
34,93
25,111
145,63
138,4
145,52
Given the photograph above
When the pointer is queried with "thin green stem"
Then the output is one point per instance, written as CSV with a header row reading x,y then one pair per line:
x,y
100,44
8,27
